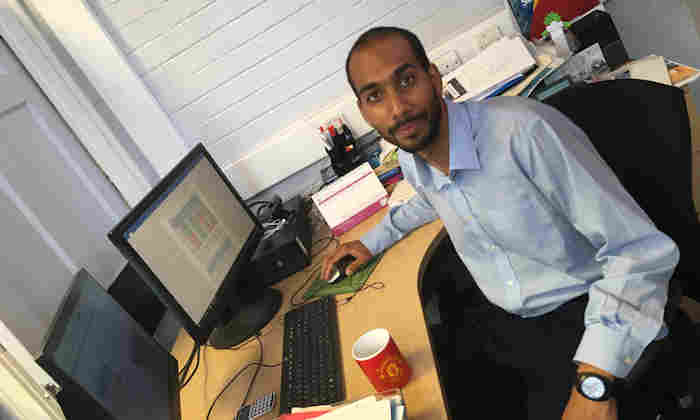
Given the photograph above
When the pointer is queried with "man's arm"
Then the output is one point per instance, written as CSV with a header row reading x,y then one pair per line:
x,y
626,305
400,221
395,225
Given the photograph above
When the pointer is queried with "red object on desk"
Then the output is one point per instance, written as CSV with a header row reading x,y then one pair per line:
x,y
378,356
568,9
304,415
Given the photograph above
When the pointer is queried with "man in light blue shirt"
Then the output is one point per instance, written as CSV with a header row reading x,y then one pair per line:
x,y
532,210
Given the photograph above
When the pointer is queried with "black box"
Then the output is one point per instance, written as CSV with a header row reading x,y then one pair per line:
x,y
285,252
598,27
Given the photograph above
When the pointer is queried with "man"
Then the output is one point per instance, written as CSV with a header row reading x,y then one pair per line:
x,y
568,266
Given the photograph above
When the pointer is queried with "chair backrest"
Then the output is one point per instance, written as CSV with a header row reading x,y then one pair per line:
x,y
642,131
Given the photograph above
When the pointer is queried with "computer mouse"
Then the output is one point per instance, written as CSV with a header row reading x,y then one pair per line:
x,y
339,268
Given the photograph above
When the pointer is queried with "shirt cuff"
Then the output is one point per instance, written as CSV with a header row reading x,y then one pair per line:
x,y
373,240
607,349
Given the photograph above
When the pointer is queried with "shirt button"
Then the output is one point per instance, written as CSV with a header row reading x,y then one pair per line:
x,y
509,282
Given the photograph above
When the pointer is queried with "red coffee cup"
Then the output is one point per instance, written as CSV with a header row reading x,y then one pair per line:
x,y
384,365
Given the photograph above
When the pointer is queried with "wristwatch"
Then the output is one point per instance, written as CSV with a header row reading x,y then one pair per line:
x,y
597,387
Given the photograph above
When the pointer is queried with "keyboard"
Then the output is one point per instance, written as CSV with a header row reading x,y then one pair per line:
x,y
311,365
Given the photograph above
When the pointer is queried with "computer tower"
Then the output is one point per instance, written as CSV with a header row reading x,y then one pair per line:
x,y
107,365
285,252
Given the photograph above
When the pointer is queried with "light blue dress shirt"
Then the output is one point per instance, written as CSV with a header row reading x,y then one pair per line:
x,y
538,219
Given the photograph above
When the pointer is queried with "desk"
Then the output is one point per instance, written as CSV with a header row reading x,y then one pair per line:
x,y
396,307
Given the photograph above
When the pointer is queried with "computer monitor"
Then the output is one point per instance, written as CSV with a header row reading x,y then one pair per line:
x,y
107,366
191,239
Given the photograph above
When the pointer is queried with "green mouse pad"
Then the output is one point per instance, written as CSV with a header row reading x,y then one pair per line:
x,y
349,284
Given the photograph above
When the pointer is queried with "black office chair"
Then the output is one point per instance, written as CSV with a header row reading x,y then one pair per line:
x,y
641,129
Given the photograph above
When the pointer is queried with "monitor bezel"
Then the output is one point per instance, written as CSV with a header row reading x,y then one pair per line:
x,y
232,282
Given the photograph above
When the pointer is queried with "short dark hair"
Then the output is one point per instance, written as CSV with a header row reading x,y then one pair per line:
x,y
382,32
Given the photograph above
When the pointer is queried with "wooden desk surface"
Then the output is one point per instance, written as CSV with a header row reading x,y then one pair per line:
x,y
396,307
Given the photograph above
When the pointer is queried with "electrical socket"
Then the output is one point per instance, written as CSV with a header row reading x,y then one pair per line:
x,y
448,62
487,37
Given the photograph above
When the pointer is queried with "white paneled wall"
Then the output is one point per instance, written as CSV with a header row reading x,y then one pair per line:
x,y
250,77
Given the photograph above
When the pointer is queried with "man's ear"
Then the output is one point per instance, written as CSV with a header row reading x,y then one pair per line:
x,y
435,76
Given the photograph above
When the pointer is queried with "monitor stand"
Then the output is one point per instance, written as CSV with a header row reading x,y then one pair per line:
x,y
251,316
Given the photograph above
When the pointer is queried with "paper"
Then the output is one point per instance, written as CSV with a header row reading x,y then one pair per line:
x,y
303,415
542,62
495,65
681,74
652,68
584,66
365,409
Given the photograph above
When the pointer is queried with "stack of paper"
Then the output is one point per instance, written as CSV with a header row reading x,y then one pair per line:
x,y
369,408
681,74
500,63
656,69
652,68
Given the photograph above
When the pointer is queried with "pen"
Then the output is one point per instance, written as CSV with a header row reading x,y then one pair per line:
x,y
324,139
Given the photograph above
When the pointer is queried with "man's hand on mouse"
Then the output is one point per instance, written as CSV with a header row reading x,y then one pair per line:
x,y
356,249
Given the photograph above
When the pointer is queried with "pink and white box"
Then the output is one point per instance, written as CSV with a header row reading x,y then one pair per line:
x,y
351,199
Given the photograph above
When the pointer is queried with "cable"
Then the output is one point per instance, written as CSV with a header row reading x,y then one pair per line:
x,y
313,272
273,227
330,240
233,379
377,285
186,368
196,366
265,203
255,375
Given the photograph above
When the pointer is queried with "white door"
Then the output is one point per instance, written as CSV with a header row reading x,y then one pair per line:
x,y
56,207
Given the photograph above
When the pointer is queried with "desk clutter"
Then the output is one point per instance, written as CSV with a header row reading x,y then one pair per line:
x,y
389,173
516,67
381,406
552,74
340,145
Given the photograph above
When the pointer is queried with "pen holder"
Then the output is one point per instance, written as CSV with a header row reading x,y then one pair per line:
x,y
343,161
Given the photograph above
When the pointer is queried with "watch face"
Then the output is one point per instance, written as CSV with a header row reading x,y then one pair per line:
x,y
593,387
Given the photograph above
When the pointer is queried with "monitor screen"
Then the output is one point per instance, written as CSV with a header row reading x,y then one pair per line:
x,y
191,239
94,347
191,236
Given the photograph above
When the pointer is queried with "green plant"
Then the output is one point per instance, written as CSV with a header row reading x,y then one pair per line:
x,y
552,17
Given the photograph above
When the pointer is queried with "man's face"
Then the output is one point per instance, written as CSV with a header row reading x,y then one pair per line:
x,y
396,95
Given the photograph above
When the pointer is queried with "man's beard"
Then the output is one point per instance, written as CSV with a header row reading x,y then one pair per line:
x,y
433,119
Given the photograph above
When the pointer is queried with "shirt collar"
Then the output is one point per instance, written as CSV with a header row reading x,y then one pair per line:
x,y
462,146
463,154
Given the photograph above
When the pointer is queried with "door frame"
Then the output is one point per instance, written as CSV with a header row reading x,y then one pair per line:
x,y
24,38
